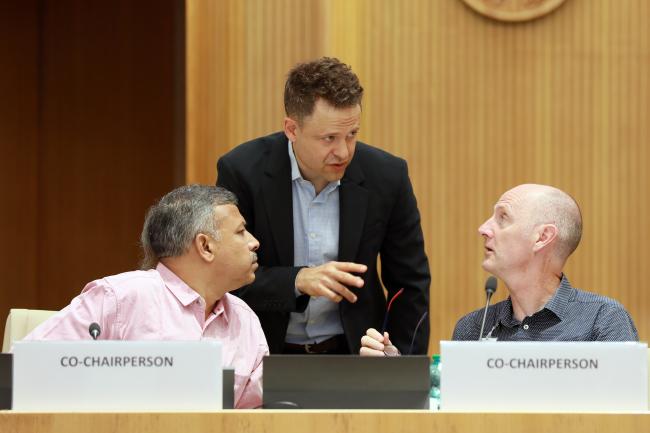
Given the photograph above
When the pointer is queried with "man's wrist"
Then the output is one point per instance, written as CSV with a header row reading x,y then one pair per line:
x,y
296,290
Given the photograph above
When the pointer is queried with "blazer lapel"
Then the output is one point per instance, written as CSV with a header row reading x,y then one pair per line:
x,y
278,200
353,201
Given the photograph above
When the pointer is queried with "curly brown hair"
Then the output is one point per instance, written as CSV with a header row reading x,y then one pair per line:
x,y
326,78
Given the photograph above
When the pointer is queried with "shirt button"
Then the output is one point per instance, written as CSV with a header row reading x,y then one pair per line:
x,y
526,326
312,235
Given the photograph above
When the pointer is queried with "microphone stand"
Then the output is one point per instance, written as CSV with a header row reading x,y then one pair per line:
x,y
490,288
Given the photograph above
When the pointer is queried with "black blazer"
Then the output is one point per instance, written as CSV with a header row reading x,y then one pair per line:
x,y
378,215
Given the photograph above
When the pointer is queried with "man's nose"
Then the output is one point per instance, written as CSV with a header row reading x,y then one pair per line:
x,y
341,150
485,230
253,243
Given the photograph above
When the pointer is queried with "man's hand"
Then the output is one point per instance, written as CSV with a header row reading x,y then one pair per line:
x,y
330,280
375,344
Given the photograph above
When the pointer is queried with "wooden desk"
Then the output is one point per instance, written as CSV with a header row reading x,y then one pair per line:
x,y
270,421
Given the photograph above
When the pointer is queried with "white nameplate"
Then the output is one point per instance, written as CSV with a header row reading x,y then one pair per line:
x,y
543,376
52,376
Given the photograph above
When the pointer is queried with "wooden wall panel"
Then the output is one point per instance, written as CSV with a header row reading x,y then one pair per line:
x,y
476,106
18,149
238,54
107,139
88,137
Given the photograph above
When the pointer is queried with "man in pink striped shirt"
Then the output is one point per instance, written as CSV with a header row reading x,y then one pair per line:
x,y
197,249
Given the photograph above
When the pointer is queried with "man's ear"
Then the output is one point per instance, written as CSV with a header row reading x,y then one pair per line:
x,y
290,127
204,246
546,234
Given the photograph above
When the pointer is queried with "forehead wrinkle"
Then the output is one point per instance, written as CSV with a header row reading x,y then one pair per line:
x,y
508,202
351,123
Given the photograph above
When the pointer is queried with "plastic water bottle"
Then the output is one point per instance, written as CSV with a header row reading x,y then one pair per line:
x,y
434,373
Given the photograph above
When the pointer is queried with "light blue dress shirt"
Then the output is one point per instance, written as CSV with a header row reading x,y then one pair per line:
x,y
315,242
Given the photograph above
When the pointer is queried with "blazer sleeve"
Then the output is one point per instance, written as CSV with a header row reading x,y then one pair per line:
x,y
274,286
404,264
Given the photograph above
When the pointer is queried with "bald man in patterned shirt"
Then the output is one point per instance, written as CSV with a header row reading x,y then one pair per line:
x,y
528,239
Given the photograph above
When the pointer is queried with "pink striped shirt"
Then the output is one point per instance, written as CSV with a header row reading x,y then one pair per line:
x,y
158,305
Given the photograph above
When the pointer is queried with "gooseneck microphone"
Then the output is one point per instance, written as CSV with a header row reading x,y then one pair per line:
x,y
94,330
490,288
415,332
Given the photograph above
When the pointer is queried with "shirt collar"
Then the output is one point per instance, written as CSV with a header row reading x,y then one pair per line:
x,y
557,305
221,308
505,316
295,170
184,293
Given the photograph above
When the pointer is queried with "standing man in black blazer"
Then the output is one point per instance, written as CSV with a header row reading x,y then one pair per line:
x,y
323,207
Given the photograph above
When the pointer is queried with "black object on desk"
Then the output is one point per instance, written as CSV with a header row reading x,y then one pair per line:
x,y
228,401
346,382
6,380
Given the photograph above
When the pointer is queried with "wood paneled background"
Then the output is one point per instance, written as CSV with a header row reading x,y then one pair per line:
x,y
88,139
104,106
474,105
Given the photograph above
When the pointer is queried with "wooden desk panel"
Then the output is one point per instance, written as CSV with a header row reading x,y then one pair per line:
x,y
320,422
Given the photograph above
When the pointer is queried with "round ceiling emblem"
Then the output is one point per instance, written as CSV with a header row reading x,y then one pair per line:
x,y
513,10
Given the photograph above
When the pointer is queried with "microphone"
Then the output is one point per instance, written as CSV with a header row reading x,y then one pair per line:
x,y
394,351
490,288
415,332
94,330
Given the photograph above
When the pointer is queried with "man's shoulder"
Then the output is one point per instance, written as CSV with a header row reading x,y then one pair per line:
x,y
468,326
372,155
494,310
132,282
257,147
613,322
239,306
381,170
470,317
585,297
245,314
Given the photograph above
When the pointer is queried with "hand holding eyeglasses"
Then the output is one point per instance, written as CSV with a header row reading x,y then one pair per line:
x,y
376,344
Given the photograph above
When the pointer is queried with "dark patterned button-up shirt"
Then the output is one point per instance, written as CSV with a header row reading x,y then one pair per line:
x,y
570,315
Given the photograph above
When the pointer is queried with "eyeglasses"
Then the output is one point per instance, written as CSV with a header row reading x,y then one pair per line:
x,y
391,350
390,304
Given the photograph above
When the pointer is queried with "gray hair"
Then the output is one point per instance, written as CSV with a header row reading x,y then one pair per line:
x,y
172,224
554,206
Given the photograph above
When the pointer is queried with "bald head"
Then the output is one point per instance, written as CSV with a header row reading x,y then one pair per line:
x,y
548,205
